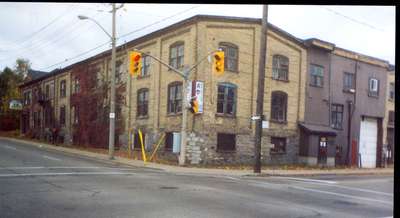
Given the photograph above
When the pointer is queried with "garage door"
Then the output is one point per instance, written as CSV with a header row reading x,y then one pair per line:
x,y
368,142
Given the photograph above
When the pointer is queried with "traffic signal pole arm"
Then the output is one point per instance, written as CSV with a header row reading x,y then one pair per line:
x,y
201,60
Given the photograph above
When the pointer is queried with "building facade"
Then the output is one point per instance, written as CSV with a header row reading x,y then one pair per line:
x,y
340,126
389,120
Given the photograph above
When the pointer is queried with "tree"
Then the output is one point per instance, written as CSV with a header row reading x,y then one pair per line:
x,y
22,66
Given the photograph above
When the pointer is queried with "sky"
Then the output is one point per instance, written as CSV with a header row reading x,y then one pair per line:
x,y
51,36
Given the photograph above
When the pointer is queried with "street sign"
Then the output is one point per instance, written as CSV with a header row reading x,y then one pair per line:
x,y
265,124
195,89
255,117
112,115
15,105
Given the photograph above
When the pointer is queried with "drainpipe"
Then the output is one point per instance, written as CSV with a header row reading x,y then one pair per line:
x,y
351,109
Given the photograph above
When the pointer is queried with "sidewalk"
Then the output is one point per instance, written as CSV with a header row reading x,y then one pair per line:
x,y
207,171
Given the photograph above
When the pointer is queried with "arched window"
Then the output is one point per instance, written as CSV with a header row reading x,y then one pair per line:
x,y
226,99
280,67
231,56
142,102
176,54
175,97
278,106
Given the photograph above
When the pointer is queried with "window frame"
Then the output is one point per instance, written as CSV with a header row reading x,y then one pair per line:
x,y
373,93
284,96
312,76
276,148
227,86
335,122
77,86
277,61
174,60
175,84
63,88
347,75
146,63
142,105
63,113
392,93
224,145
227,47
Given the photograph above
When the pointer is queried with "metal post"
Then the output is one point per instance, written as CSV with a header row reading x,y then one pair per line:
x,y
260,92
111,138
182,154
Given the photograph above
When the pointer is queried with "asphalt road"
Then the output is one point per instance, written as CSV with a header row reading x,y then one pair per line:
x,y
40,183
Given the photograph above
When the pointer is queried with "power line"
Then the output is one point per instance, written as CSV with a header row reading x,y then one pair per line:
x,y
352,19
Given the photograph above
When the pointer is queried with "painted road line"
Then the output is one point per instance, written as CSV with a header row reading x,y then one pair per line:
x,y
64,174
61,167
9,147
51,158
342,195
306,180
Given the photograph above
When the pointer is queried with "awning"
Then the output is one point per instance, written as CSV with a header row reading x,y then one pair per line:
x,y
318,129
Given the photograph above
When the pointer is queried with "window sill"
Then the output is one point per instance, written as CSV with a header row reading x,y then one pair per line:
x,y
142,117
278,121
174,114
348,91
373,95
281,80
225,115
143,77
316,86
277,152
226,151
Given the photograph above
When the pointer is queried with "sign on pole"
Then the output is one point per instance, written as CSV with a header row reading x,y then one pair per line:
x,y
15,105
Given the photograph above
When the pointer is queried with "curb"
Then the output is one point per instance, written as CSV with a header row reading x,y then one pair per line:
x,y
103,158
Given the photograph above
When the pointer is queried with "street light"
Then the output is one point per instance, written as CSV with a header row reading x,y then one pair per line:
x,y
111,137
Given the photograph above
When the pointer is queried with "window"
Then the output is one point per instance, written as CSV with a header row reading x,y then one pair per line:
x,y
75,113
169,141
231,56
176,55
62,115
27,97
77,86
48,116
373,87
226,102
391,91
63,88
391,118
348,81
280,67
337,116
145,66
137,145
47,94
316,75
279,145
118,71
278,106
142,102
175,98
226,142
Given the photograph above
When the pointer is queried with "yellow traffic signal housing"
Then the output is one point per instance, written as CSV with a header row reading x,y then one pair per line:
x,y
194,106
218,62
135,63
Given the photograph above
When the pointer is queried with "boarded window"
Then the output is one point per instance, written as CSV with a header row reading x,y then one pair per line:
x,y
316,75
142,102
280,67
62,115
174,97
373,87
278,106
231,56
226,99
226,142
279,145
176,54
337,116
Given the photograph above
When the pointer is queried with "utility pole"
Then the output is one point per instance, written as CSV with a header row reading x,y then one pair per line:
x,y
182,153
111,139
260,91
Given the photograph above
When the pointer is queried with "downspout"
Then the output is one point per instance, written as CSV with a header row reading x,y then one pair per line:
x,y
351,109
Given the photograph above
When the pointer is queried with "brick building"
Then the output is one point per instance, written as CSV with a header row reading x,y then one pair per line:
x,y
389,120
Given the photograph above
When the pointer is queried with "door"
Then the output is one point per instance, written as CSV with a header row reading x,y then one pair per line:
x,y
322,150
368,142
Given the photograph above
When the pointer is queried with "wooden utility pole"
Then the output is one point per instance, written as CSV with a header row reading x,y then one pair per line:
x,y
260,91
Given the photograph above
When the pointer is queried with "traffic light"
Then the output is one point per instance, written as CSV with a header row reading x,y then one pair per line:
x,y
135,63
218,62
194,106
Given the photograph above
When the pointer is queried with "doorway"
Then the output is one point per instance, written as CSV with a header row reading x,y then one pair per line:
x,y
322,150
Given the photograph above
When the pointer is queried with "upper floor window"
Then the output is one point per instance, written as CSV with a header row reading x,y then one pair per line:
x,y
278,106
75,114
391,118
391,91
373,89
337,116
231,56
175,97
77,86
118,71
176,52
226,100
348,81
142,102
63,88
145,66
316,75
280,67
27,97
47,94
